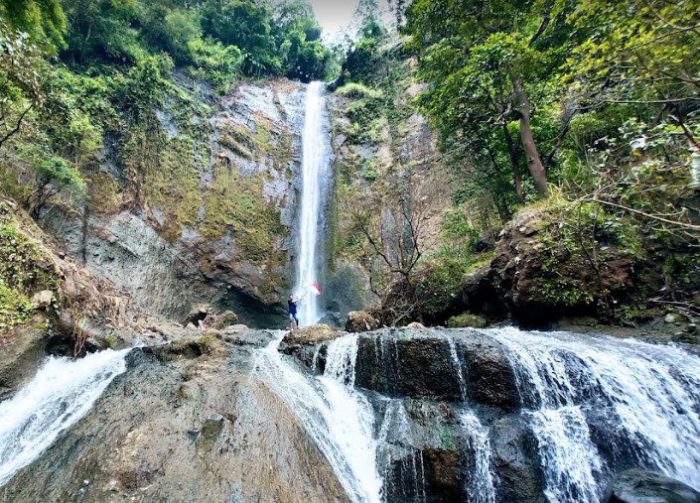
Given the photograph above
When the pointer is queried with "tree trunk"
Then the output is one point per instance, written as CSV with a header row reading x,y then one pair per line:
x,y
534,162
517,178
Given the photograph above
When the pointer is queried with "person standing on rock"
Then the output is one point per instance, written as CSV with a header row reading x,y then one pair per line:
x,y
292,308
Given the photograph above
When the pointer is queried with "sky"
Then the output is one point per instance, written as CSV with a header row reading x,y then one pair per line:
x,y
334,15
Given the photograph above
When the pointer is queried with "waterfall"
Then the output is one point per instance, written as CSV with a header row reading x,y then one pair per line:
x,y
60,394
338,418
650,395
315,164
593,405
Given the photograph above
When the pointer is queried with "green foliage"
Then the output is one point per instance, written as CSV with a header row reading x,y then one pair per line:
x,y
467,320
42,20
53,169
23,270
356,90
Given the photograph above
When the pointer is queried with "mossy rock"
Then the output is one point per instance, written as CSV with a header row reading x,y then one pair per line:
x,y
467,320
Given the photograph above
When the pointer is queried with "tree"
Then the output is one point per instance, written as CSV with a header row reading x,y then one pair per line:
x,y
489,61
247,25
642,52
103,30
297,35
20,86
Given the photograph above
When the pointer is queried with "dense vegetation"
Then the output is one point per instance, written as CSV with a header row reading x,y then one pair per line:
x,y
75,73
590,107
585,112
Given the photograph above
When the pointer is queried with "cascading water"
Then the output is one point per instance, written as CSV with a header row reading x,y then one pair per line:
x,y
593,406
315,164
336,416
60,394
649,395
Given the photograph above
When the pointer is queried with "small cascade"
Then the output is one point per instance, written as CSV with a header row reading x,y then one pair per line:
x,y
481,487
403,466
61,393
315,172
337,417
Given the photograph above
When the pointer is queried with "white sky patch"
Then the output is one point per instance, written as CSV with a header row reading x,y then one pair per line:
x,y
335,16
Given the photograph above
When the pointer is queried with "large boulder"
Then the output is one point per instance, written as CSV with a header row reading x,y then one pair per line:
x,y
640,486
361,321
543,273
309,345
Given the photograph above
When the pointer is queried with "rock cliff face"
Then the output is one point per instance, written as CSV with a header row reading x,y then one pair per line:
x,y
216,223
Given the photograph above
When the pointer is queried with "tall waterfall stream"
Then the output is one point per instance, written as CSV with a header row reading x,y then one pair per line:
x,y
315,172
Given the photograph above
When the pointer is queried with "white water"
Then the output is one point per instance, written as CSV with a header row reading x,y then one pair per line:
x,y
481,487
60,394
653,392
338,418
315,163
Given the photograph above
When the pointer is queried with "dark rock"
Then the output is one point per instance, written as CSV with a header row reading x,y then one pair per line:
x,y
361,321
515,459
416,367
430,475
640,486
490,377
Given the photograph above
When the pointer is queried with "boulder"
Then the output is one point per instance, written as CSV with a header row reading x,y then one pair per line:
x,y
308,345
198,314
312,335
640,486
42,300
490,377
361,321
221,321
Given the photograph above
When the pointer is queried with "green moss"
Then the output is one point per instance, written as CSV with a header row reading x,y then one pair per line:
x,y
15,308
575,236
235,203
173,186
467,320
443,272
24,269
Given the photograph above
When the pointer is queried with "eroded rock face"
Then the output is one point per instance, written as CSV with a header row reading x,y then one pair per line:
x,y
215,221
182,426
639,486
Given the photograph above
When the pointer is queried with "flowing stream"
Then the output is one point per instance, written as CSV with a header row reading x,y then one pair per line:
x,y
61,393
315,172
641,400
